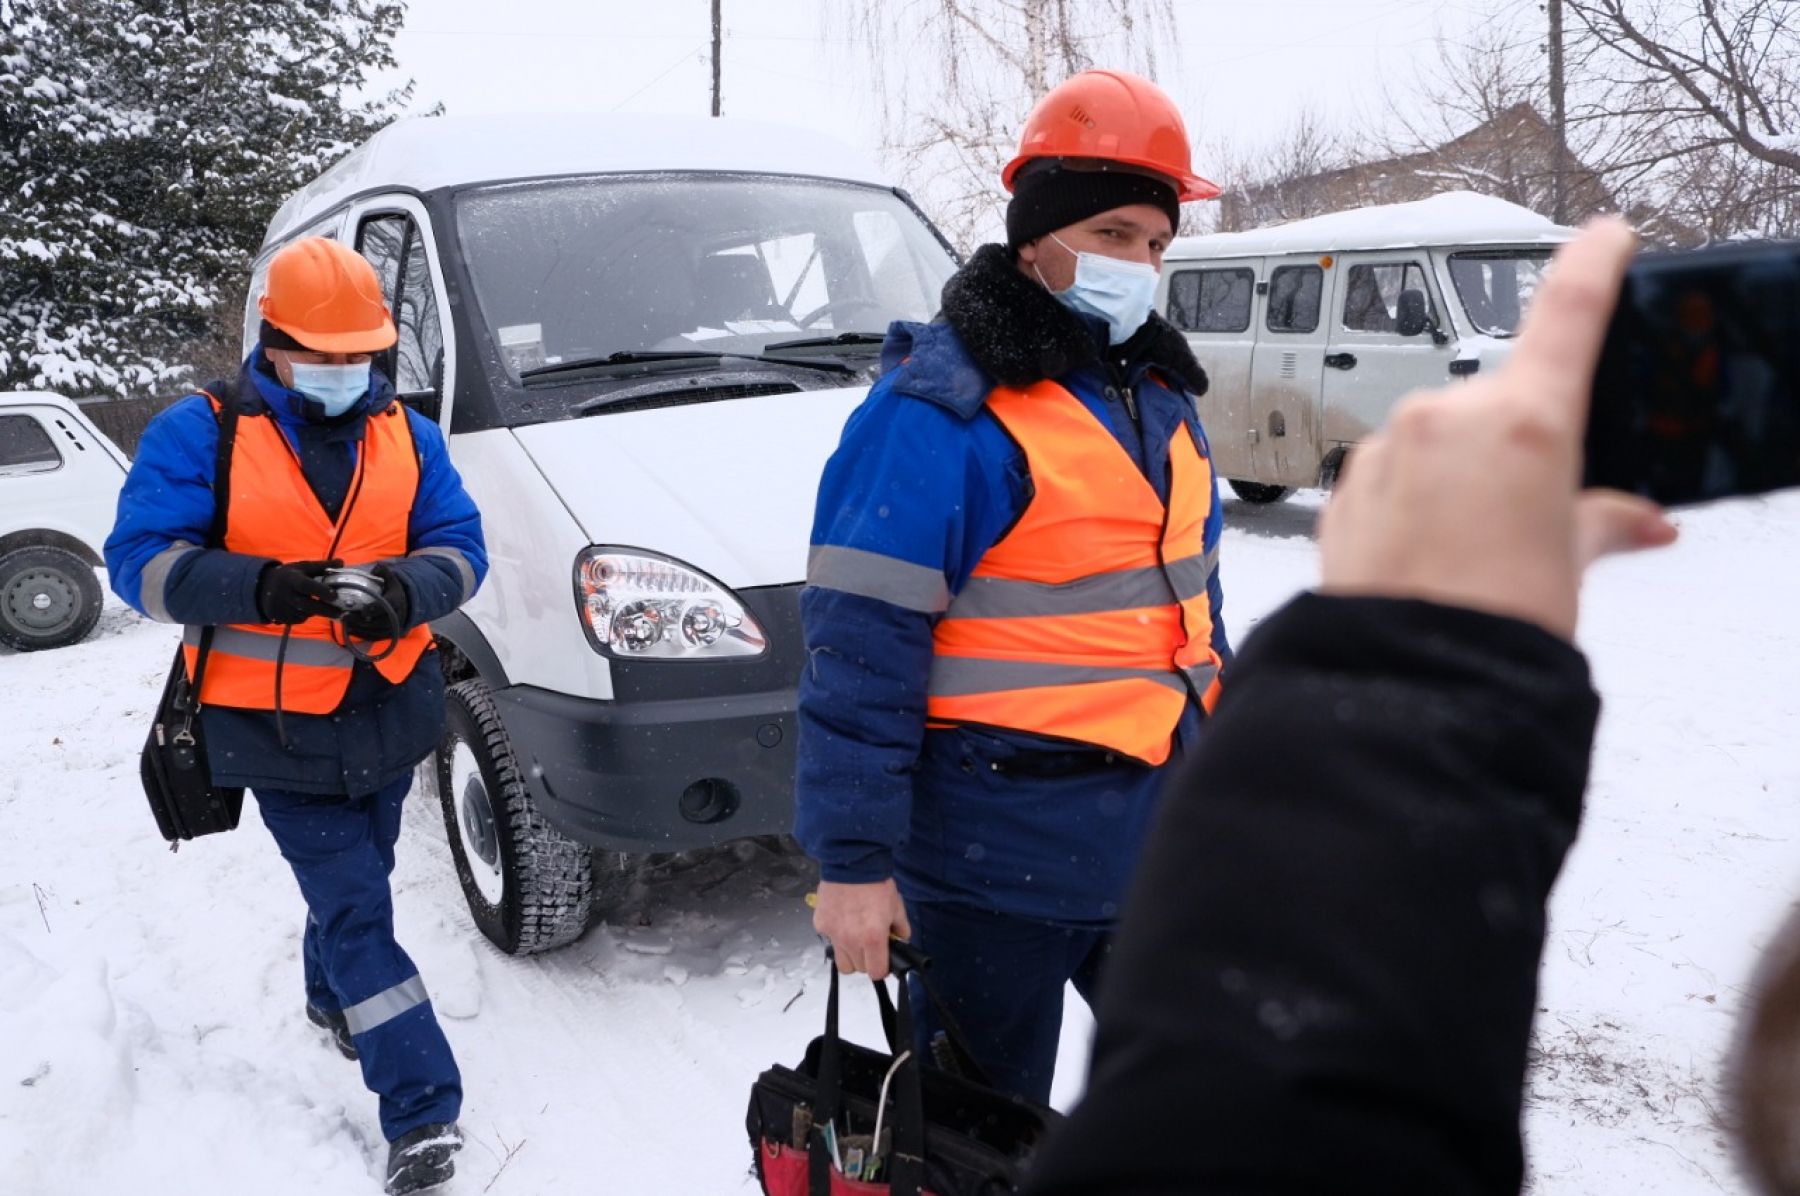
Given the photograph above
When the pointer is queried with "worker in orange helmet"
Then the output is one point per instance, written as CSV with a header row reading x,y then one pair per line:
x,y
321,707
1013,610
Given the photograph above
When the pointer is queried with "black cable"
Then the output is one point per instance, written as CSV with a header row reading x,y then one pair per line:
x,y
393,640
280,664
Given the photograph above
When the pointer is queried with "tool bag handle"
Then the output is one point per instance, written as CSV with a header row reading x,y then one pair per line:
x,y
905,959
906,1161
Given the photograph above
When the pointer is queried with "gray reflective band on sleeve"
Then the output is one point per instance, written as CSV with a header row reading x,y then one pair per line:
x,y
871,575
319,654
1212,560
960,676
464,570
154,590
385,1006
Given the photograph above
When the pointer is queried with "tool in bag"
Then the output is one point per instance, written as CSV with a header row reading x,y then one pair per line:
x,y
173,766
851,1120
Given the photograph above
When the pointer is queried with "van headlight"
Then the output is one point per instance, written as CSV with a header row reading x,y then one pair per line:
x,y
639,606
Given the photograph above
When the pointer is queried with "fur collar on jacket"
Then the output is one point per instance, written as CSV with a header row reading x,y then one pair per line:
x,y
1019,333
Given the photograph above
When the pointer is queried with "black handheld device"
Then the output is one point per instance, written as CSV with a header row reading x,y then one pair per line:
x,y
1697,394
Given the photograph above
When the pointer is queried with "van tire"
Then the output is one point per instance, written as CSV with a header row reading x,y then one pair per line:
x,y
1259,492
529,886
49,598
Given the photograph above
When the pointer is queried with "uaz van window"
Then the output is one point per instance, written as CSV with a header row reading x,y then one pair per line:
x,y
1496,286
691,264
1294,293
1372,295
1211,300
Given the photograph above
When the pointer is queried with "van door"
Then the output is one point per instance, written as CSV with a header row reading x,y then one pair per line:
x,y
1287,372
1371,363
394,234
1212,304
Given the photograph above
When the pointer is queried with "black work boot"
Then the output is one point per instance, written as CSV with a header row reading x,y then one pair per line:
x,y
420,1159
334,1025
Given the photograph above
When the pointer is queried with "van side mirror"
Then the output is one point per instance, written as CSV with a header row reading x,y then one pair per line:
x,y
1414,316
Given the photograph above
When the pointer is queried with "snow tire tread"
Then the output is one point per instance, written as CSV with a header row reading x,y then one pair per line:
x,y
549,882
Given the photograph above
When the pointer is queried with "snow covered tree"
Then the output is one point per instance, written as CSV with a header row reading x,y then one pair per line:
x,y
955,78
144,144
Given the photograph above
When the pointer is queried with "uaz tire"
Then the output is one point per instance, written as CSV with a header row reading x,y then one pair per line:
x,y
1258,492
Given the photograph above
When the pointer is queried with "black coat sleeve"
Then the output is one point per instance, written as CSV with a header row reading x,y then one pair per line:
x,y
1325,977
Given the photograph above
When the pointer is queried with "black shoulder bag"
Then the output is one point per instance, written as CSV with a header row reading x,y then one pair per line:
x,y
173,767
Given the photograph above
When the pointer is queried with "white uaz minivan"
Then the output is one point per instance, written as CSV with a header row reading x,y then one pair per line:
x,y
643,337
1311,331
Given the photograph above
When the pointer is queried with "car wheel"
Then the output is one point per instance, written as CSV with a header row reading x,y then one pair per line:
x,y
529,886
49,597
1258,492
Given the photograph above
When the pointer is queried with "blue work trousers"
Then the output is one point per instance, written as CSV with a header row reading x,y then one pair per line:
x,y
342,851
1002,977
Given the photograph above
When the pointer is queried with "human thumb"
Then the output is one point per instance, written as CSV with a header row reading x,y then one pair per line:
x,y
1608,522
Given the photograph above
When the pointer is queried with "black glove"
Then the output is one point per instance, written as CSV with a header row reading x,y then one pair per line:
x,y
293,593
370,622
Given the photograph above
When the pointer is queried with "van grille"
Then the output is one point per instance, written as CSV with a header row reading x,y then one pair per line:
x,y
1290,364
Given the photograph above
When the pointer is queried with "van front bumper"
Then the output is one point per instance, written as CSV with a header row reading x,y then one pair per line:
x,y
685,754
654,776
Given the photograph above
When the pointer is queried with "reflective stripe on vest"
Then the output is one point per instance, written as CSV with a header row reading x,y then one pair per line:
x,y
1089,620
274,513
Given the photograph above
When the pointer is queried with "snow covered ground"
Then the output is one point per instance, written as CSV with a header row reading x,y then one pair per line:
x,y
151,1036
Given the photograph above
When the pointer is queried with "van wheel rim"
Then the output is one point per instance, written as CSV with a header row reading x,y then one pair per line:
x,y
475,824
42,602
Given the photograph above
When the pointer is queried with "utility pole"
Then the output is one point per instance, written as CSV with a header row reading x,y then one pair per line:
x,y
718,41
1559,119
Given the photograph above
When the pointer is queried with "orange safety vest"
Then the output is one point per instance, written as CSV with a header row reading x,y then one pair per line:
x,y
1089,620
274,513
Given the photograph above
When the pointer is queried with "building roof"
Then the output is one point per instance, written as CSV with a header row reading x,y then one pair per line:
x,y
1452,218
428,153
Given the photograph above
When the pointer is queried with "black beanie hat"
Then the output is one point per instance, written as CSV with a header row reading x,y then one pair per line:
x,y
1051,197
274,338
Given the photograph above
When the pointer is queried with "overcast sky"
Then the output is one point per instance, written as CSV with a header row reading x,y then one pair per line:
x,y
1244,67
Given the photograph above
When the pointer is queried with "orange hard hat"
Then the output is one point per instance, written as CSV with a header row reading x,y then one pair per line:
x,y
326,296
1114,117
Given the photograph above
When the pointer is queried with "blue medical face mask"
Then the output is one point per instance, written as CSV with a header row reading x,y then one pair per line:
x,y
333,387
1121,293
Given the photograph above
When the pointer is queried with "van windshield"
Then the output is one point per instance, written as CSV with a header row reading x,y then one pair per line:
x,y
1496,286
579,270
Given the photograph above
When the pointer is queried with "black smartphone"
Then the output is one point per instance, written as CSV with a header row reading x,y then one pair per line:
x,y
1697,395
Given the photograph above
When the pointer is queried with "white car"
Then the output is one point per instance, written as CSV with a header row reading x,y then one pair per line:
x,y
1310,331
642,336
59,490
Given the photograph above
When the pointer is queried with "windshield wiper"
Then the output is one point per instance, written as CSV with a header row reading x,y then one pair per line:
x,y
652,356
819,342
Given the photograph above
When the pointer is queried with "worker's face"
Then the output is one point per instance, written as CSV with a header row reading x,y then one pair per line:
x,y
1138,232
284,361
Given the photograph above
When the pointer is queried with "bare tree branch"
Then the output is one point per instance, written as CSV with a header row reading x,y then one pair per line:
x,y
954,80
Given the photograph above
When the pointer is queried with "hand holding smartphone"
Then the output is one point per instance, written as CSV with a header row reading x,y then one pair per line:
x,y
1697,392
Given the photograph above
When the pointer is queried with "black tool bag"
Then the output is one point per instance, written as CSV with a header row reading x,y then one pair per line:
x,y
173,767
942,1132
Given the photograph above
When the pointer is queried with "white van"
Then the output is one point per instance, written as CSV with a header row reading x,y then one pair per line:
x,y
1310,331
59,490
643,337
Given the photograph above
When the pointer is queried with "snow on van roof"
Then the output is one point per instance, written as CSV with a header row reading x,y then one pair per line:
x,y
426,153
1453,218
